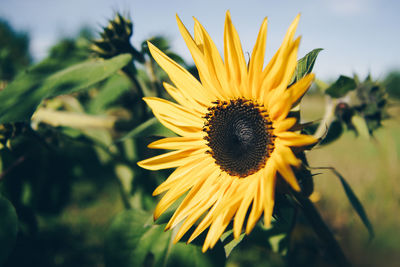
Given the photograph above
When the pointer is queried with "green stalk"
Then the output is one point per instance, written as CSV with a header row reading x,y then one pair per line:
x,y
130,73
329,116
321,229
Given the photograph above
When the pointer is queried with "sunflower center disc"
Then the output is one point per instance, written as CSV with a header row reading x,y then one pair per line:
x,y
239,136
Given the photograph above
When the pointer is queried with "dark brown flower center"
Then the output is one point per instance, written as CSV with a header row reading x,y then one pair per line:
x,y
239,134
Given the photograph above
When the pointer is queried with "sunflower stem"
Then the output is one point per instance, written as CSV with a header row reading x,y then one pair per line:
x,y
328,117
154,81
321,229
130,73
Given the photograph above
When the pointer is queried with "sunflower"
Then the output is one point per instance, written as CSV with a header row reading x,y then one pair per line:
x,y
235,139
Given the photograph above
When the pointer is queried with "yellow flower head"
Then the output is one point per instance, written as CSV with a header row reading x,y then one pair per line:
x,y
234,132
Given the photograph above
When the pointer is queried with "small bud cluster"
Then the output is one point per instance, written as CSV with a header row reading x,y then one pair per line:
x,y
365,103
115,39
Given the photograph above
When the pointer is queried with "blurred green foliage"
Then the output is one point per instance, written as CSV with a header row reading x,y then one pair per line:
x,y
14,51
392,83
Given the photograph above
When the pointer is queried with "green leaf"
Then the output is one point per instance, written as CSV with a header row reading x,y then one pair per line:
x,y
134,240
305,65
229,242
125,175
130,238
8,228
341,87
182,254
112,89
22,96
148,128
355,202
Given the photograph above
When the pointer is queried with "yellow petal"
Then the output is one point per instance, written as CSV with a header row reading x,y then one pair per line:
x,y
269,198
194,212
235,62
202,190
295,139
178,143
184,81
298,89
182,100
257,61
166,108
177,191
194,165
215,64
216,230
287,154
171,159
280,109
278,81
175,117
274,71
198,35
198,58
284,125
233,194
244,206
207,220
228,215
197,212
257,206
285,170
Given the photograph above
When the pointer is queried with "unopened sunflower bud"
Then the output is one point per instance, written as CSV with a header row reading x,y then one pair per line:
x,y
372,100
115,39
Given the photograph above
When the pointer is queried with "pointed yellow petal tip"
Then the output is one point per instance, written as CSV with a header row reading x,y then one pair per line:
x,y
149,44
156,191
296,186
265,21
228,18
176,240
167,227
178,19
152,48
140,164
267,222
236,234
297,18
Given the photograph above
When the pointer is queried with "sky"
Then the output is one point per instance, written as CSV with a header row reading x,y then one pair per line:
x,y
358,36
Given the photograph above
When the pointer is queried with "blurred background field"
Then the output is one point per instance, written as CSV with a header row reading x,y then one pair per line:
x,y
372,169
